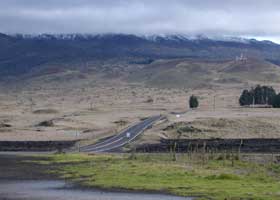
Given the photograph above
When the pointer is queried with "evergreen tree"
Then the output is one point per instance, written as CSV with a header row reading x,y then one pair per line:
x,y
246,98
269,94
193,102
276,101
258,95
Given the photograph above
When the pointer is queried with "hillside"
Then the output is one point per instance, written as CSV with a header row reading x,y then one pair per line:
x,y
19,53
165,61
206,73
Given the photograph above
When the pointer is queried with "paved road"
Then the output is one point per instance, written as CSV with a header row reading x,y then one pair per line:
x,y
123,138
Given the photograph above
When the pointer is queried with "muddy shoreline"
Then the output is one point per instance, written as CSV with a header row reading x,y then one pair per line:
x,y
21,174
23,167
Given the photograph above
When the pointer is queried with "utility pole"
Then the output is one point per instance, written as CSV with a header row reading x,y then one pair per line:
x,y
77,138
214,104
91,106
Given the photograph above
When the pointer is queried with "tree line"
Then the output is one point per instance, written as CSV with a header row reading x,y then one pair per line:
x,y
261,95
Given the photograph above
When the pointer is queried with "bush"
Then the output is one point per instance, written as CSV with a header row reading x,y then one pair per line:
x,y
193,102
46,123
149,100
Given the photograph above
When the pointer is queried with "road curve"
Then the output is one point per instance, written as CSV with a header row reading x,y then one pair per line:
x,y
122,138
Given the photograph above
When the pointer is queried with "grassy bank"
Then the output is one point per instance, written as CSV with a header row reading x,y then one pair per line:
x,y
216,178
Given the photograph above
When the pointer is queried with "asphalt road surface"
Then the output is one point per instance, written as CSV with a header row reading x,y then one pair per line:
x,y
123,138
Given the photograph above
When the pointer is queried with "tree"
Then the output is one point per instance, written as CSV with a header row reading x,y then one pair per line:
x,y
258,95
193,102
246,98
276,101
269,94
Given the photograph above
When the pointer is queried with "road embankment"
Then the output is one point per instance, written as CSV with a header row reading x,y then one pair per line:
x,y
35,145
186,145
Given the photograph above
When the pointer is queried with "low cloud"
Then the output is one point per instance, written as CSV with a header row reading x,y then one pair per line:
x,y
255,18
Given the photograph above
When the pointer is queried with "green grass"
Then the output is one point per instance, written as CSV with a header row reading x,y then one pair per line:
x,y
215,179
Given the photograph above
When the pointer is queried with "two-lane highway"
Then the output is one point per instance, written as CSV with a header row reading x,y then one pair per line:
x,y
123,138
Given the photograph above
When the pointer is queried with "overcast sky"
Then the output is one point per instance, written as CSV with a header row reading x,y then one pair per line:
x,y
247,18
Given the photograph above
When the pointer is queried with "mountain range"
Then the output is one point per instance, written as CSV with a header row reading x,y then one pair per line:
x,y
36,55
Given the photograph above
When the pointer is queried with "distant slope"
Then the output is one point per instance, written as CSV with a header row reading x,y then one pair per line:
x,y
21,54
205,73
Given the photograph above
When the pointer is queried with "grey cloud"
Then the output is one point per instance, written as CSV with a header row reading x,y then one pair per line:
x,y
211,17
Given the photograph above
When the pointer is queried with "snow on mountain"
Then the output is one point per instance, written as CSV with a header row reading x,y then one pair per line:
x,y
153,38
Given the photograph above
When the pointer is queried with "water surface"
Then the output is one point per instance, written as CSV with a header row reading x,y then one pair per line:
x,y
57,190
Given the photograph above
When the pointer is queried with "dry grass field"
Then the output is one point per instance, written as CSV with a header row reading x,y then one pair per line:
x,y
90,110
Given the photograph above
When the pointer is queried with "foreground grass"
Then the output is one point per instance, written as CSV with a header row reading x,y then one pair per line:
x,y
215,179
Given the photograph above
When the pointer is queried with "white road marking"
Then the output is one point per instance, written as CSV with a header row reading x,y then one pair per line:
x,y
95,148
